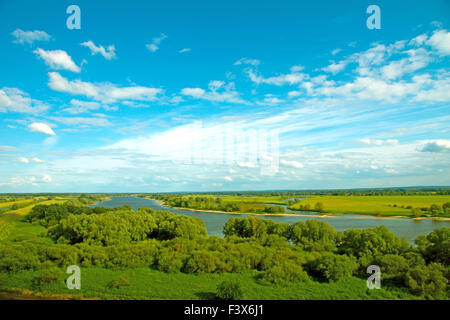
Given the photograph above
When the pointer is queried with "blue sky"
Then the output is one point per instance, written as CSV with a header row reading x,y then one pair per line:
x,y
223,95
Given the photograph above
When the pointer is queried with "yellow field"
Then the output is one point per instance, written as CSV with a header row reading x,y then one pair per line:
x,y
383,205
10,203
24,211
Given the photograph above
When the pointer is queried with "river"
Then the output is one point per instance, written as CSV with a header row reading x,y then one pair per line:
x,y
214,222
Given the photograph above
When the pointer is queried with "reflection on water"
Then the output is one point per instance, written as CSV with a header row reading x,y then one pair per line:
x,y
214,222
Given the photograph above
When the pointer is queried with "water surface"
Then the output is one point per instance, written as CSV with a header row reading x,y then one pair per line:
x,y
214,222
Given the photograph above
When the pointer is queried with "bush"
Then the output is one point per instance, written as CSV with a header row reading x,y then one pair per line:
x,y
283,274
392,266
121,281
332,267
427,281
48,276
229,290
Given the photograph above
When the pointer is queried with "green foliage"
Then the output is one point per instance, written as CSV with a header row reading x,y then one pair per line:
x,y
369,243
47,276
427,281
121,281
284,273
313,235
435,247
229,290
332,267
392,266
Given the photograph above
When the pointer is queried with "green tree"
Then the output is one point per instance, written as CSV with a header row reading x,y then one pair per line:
x,y
427,281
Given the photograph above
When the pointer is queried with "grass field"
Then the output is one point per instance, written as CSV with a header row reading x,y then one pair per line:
x,y
145,283
382,205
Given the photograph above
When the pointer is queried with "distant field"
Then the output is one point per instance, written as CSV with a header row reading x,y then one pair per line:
x,y
24,211
248,199
383,205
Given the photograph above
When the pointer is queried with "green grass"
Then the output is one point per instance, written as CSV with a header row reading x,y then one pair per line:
x,y
382,205
151,284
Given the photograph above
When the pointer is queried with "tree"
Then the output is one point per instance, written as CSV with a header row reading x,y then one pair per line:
x,y
313,235
319,207
435,247
427,281
332,267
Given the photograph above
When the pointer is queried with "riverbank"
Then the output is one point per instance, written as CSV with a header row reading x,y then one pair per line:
x,y
334,215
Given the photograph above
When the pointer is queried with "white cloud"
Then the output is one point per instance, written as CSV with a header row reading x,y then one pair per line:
x,y
440,145
335,68
290,78
440,40
47,178
253,62
41,127
228,178
154,46
227,93
24,160
375,142
335,51
100,122
37,160
57,59
30,36
104,92
293,164
108,53
184,50
15,100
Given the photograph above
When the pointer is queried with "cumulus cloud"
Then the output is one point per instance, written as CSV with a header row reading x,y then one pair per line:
x,y
108,53
440,145
57,59
440,40
41,127
15,100
29,36
228,178
104,92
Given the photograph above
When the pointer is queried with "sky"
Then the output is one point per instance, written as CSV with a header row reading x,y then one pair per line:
x,y
166,96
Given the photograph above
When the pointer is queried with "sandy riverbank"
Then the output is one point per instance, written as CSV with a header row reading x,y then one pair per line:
x,y
336,215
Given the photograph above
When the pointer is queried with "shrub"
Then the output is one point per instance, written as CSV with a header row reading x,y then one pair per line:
x,y
332,267
121,281
392,266
47,276
283,274
229,290
427,281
